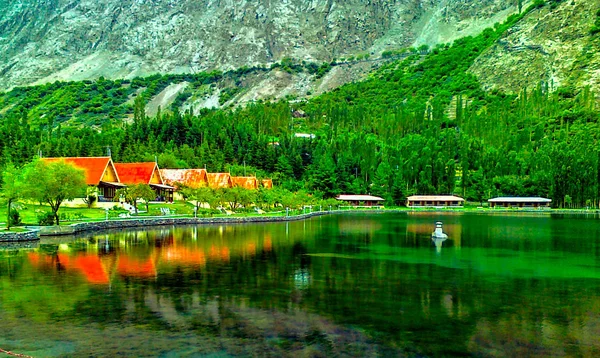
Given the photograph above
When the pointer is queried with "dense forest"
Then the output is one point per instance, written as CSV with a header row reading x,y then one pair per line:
x,y
417,125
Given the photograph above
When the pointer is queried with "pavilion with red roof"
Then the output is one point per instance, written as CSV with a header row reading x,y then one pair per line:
x,y
190,178
99,172
219,180
250,183
145,173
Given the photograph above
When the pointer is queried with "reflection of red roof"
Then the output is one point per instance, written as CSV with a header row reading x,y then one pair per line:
x,y
94,167
136,173
92,268
245,182
219,180
192,178
182,255
129,267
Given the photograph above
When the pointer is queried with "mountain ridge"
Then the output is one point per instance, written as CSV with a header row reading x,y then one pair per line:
x,y
44,41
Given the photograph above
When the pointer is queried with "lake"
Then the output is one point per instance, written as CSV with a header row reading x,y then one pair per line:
x,y
523,284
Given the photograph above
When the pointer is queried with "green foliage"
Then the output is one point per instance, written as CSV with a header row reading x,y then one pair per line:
x,y
133,193
420,124
10,190
14,218
52,183
46,219
596,27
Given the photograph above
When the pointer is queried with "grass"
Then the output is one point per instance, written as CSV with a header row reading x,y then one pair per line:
x,y
30,213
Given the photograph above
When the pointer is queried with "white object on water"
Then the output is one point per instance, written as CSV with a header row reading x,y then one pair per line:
x,y
438,233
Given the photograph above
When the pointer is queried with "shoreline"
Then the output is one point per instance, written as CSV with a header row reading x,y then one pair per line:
x,y
82,227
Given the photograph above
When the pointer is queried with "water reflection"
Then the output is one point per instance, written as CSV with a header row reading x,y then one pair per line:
x,y
328,286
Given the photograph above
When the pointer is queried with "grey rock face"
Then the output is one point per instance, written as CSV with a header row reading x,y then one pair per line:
x,y
46,40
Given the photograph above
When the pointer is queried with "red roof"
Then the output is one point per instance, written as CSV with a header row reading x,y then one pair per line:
x,y
219,180
245,182
94,167
267,183
136,173
192,178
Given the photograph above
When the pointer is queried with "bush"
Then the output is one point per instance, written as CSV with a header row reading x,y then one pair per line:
x,y
14,218
46,219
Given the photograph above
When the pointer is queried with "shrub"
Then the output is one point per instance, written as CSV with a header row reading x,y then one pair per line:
x,y
14,218
46,219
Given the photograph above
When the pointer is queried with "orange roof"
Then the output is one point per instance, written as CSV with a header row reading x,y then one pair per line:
x,y
245,182
136,173
219,180
267,183
192,178
94,167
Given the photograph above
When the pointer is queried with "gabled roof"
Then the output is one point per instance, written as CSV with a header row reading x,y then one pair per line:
x,y
137,173
267,183
94,167
434,198
192,178
219,180
250,183
359,198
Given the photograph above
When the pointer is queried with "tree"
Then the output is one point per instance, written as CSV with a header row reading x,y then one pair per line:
x,y
10,189
200,195
52,183
135,192
91,195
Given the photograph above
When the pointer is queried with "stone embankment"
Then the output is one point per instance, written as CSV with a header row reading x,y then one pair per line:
x,y
19,236
148,222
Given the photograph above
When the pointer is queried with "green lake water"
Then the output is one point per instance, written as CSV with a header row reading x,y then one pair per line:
x,y
341,285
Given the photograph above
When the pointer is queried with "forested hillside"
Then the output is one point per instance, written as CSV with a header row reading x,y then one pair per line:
x,y
420,124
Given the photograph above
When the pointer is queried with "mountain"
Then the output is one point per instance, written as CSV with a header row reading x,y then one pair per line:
x,y
46,40
553,44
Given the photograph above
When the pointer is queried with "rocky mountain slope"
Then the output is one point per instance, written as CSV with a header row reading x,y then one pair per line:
x,y
553,44
46,40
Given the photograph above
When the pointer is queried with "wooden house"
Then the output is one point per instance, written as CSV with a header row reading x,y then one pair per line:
x,y
145,173
361,200
434,201
519,202
99,172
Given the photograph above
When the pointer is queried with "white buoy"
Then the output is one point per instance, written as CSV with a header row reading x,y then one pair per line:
x,y
438,233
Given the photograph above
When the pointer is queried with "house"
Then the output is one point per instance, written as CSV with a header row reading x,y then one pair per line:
x,y
434,201
99,172
267,183
145,173
189,178
250,183
219,180
520,202
361,200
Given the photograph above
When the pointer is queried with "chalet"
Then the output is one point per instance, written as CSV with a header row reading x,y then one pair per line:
x,y
145,173
267,183
219,180
361,200
99,172
520,202
434,201
189,178
250,183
